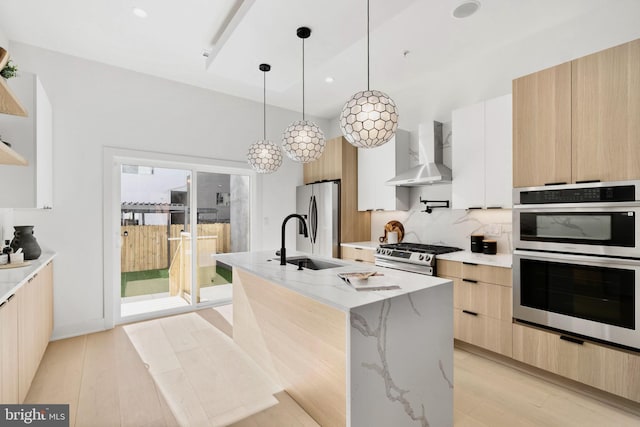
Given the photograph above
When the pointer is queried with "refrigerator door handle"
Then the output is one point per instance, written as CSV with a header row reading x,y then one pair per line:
x,y
314,219
309,220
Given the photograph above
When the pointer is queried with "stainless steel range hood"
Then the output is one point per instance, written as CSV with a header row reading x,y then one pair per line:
x,y
431,170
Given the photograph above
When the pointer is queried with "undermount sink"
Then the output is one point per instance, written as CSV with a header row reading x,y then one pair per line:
x,y
311,263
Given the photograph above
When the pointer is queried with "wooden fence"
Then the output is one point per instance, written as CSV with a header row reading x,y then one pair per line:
x,y
147,247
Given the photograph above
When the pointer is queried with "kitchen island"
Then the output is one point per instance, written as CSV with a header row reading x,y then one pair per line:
x,y
348,357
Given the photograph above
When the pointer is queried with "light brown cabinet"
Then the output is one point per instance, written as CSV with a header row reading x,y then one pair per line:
x,y
577,121
340,162
542,127
26,323
358,254
612,370
605,114
482,304
328,166
35,324
9,350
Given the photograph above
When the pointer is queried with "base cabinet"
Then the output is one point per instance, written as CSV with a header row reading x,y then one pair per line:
x,y
358,254
483,331
482,304
9,350
35,324
26,323
612,370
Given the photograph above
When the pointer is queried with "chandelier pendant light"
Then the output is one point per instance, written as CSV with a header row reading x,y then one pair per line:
x,y
303,140
369,118
264,156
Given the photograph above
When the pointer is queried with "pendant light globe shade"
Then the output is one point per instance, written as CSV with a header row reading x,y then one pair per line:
x,y
369,119
264,156
303,141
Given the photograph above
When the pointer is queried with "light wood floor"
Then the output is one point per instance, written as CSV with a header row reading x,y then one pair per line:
x,y
104,379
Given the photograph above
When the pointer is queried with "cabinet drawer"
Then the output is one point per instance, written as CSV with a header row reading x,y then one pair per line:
x,y
448,268
486,273
358,254
483,298
614,371
483,331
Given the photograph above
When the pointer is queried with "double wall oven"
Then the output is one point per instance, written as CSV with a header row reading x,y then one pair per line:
x,y
576,264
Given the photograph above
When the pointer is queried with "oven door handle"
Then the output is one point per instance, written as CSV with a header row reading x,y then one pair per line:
x,y
583,259
550,207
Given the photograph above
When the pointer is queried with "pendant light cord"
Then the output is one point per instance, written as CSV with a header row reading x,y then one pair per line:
x,y
368,72
303,79
264,105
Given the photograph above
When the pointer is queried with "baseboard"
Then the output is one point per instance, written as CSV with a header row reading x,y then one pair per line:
x,y
76,329
608,398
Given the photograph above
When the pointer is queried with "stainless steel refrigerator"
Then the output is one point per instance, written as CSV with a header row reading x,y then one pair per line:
x,y
319,204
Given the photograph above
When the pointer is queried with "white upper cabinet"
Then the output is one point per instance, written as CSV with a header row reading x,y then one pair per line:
x,y
29,186
481,155
378,165
498,152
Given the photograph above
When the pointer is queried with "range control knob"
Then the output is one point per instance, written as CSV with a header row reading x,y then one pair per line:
x,y
421,257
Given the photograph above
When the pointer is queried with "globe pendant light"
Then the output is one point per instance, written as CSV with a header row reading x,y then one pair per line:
x,y
264,156
370,118
303,140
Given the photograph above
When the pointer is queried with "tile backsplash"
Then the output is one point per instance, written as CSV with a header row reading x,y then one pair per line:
x,y
450,227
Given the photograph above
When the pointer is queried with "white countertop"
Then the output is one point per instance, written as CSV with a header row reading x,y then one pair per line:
x,y
12,278
324,285
362,245
498,260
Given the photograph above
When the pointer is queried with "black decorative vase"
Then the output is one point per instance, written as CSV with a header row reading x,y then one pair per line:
x,y
23,238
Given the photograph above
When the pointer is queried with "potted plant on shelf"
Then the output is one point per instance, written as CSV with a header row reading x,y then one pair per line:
x,y
7,68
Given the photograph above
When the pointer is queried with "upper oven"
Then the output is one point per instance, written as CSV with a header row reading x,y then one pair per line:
x,y
592,218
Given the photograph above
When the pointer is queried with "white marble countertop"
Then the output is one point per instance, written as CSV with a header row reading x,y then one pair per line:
x,y
498,260
362,245
12,278
324,285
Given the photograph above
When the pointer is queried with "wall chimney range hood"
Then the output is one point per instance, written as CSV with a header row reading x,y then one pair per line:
x,y
431,170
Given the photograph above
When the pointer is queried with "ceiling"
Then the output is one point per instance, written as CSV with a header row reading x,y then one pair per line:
x,y
414,43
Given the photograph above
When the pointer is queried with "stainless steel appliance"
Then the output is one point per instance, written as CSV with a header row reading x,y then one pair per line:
x,y
596,297
593,218
319,205
414,257
576,265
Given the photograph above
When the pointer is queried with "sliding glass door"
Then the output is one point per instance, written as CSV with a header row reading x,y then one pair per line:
x,y
167,214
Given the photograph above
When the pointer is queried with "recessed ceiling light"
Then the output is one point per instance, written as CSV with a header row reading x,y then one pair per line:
x,y
140,13
329,79
466,9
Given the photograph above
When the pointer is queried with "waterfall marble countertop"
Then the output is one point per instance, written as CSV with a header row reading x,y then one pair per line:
x,y
498,260
324,285
12,278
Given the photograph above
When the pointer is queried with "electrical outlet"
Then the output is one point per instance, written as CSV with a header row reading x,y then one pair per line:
x,y
493,230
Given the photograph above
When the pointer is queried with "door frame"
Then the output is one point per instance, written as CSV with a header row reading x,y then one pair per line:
x,y
113,158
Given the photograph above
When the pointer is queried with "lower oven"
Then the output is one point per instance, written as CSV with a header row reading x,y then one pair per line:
x,y
591,296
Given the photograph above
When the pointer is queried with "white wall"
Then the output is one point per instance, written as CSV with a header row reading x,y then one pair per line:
x,y
4,40
96,105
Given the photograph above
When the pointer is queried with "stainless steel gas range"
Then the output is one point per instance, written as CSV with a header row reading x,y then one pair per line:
x,y
413,257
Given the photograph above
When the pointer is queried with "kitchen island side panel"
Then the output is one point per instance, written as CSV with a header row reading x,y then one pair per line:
x,y
401,360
